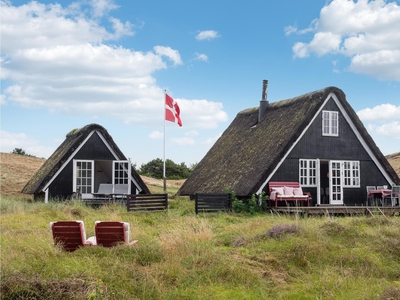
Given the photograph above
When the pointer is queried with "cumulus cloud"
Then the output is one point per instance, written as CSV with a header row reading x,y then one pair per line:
x,y
201,114
365,31
382,120
156,135
170,53
200,56
9,141
383,112
101,7
207,35
389,129
183,141
192,133
62,59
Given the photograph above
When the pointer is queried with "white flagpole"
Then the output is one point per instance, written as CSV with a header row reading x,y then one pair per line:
x,y
165,117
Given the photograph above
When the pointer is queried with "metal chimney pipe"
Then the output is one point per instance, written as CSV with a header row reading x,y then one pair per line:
x,y
264,102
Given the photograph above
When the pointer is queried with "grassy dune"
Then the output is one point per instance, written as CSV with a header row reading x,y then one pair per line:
x,y
184,256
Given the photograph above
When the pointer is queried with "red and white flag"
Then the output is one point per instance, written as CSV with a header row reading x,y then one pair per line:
x,y
172,111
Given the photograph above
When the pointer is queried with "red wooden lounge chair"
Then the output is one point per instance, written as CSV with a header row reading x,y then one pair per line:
x,y
109,234
70,235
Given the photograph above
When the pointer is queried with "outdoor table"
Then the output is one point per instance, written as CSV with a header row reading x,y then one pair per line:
x,y
381,193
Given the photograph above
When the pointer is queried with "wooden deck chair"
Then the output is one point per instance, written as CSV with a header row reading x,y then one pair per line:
x,y
70,235
109,234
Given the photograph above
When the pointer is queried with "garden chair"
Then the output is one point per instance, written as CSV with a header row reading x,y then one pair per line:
x,y
70,235
105,190
109,234
370,198
120,191
396,195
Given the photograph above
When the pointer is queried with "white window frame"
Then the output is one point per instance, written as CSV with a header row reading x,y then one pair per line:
x,y
330,123
308,172
76,175
122,172
351,170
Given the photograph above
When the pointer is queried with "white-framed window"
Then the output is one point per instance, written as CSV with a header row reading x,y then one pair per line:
x,y
308,172
330,123
351,173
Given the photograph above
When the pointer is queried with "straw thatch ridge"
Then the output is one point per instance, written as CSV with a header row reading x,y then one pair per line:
x,y
248,151
73,140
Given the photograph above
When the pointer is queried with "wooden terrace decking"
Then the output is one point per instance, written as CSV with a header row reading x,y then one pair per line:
x,y
338,210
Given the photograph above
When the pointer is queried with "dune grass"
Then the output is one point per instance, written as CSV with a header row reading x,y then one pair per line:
x,y
214,256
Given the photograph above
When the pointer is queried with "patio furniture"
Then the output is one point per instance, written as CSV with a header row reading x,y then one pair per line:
x,y
380,194
289,192
120,191
110,234
395,195
105,190
70,235
370,196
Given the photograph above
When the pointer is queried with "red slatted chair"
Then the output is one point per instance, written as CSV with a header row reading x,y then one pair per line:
x,y
70,235
109,234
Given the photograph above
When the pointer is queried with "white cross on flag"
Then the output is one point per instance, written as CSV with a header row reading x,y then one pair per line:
x,y
172,111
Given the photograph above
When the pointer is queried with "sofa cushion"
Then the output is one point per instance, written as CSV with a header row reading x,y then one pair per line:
x,y
297,191
278,190
288,191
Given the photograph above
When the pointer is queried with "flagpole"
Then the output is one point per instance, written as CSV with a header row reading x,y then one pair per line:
x,y
165,117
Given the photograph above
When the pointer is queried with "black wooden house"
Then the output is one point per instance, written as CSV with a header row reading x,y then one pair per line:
x,y
315,139
87,158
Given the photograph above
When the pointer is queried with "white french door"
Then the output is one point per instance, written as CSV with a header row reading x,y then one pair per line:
x,y
335,182
122,172
83,181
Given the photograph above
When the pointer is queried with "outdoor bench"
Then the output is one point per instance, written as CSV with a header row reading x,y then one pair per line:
x,y
288,192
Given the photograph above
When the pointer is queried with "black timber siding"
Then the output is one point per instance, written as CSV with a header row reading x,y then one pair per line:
x,y
344,147
93,149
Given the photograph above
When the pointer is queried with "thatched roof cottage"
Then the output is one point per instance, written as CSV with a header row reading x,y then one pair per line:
x,y
316,139
88,157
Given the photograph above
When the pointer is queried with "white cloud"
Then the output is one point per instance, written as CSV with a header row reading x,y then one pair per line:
x,y
9,141
389,129
156,135
170,53
365,31
383,112
199,56
382,121
207,35
211,141
192,133
101,7
56,58
183,141
201,114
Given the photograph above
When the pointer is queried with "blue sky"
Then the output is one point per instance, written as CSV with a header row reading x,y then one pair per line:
x,y
68,64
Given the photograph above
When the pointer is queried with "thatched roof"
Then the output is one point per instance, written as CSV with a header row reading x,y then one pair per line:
x,y
73,140
245,154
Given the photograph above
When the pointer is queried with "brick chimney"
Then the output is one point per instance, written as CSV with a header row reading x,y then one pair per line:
x,y
264,102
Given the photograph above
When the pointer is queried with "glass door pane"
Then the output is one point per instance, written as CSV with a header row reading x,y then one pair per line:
x,y
83,177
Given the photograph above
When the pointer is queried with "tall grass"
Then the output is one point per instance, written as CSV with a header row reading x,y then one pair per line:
x,y
181,255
